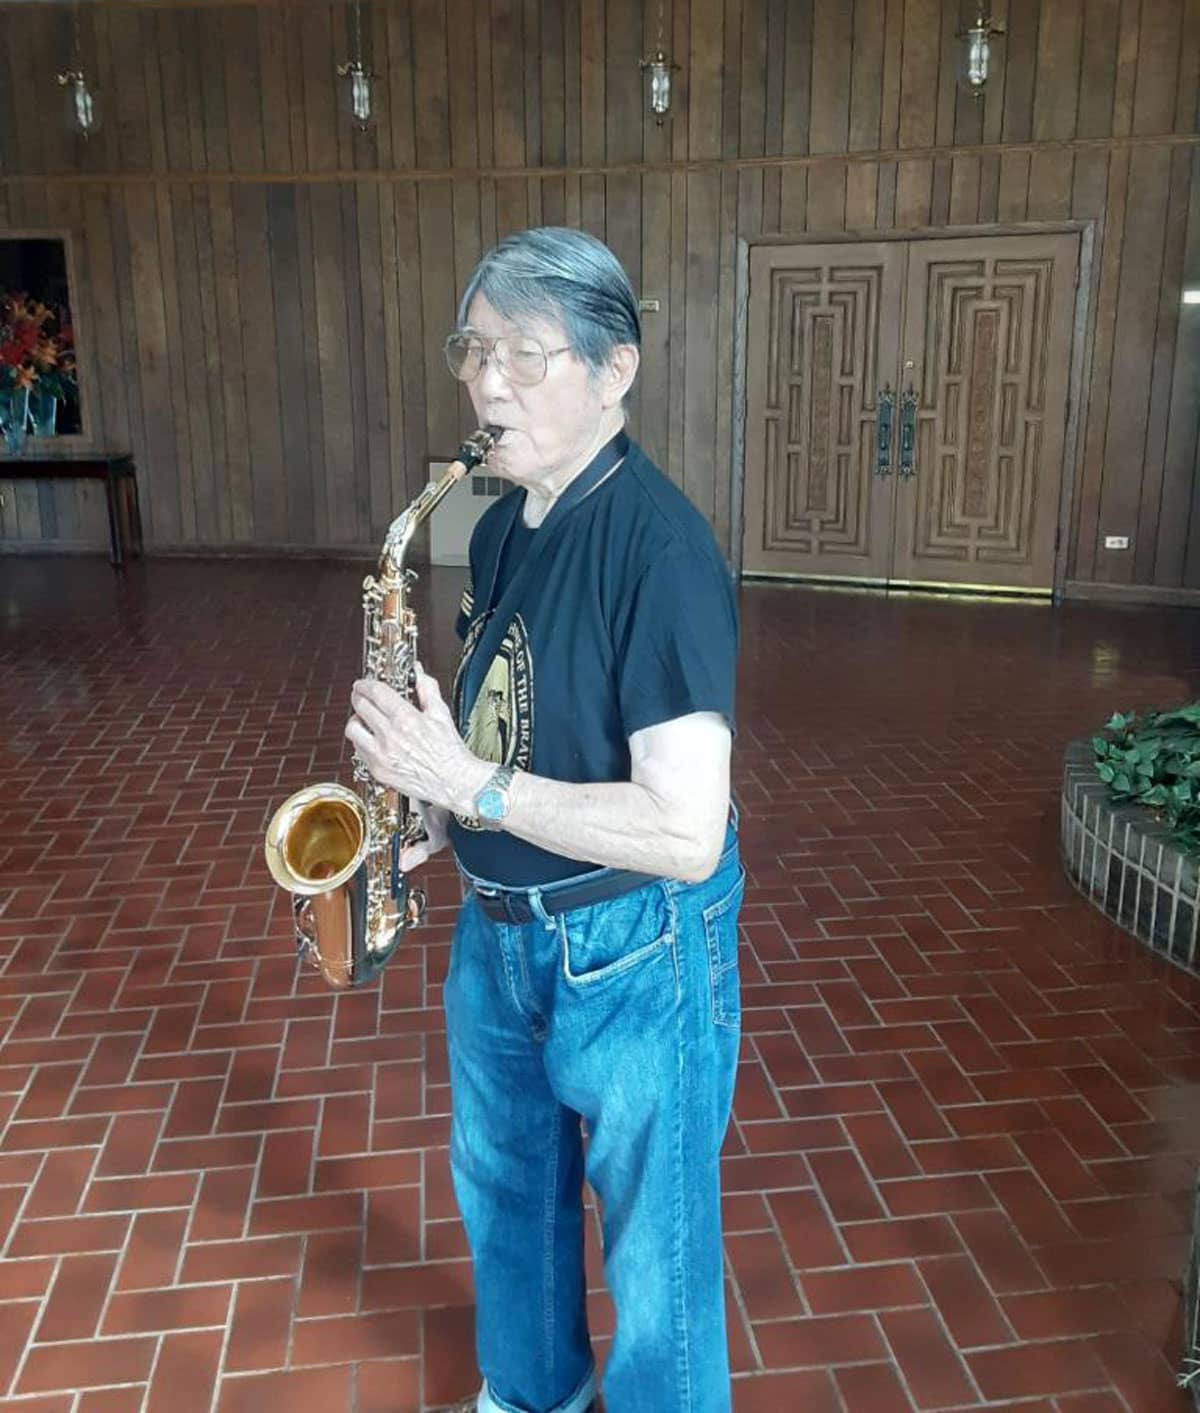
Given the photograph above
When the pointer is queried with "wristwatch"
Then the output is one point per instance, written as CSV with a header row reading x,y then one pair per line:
x,y
494,800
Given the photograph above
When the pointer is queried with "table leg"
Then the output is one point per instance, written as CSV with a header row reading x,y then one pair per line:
x,y
114,520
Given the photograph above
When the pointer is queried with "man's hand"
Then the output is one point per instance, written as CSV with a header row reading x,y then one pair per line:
x,y
414,749
437,834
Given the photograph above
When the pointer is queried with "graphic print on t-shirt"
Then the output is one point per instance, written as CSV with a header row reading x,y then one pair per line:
x,y
500,726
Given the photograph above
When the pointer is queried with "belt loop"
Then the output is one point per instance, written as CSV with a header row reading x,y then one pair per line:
x,y
538,909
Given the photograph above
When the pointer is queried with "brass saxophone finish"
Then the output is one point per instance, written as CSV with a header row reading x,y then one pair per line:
x,y
337,849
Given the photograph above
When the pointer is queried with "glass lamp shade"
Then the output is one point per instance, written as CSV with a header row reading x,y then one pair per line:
x,y
975,54
658,70
83,103
356,94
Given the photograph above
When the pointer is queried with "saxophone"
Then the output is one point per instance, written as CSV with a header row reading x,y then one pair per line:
x,y
337,849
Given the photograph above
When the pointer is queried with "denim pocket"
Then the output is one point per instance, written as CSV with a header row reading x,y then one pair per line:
x,y
609,939
721,935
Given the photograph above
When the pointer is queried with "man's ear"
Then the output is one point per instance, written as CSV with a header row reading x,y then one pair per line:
x,y
620,372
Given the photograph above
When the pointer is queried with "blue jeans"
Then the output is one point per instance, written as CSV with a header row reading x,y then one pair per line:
x,y
625,1014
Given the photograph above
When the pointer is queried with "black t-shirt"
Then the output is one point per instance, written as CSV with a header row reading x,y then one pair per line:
x,y
619,614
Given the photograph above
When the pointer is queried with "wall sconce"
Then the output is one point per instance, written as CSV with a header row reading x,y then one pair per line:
x,y
658,66
83,102
976,53
356,90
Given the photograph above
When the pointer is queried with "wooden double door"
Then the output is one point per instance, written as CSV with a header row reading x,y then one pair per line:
x,y
906,409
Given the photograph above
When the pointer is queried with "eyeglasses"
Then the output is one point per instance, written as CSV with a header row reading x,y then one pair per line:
x,y
521,358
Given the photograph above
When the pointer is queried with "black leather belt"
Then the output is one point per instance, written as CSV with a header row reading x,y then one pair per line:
x,y
512,904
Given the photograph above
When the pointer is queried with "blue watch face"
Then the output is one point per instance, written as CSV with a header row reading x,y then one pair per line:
x,y
490,804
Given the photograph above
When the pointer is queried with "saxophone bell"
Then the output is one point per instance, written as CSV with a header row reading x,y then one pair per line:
x,y
336,850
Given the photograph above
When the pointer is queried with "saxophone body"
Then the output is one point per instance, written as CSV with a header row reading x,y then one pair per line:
x,y
336,848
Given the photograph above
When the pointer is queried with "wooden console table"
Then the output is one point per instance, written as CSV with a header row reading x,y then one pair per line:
x,y
120,489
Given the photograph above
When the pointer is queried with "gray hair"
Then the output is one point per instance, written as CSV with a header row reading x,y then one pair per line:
x,y
554,272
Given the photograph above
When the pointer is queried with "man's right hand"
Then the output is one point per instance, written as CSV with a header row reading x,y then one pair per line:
x,y
437,832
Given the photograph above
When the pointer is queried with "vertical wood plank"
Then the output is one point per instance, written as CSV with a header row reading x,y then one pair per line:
x,y
239,487
829,129
431,84
1133,355
1170,287
789,92
1159,47
700,379
273,89
1059,51
1099,68
705,78
199,510
1178,529
655,375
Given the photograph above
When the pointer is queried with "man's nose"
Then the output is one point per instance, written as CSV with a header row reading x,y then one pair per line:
x,y
492,382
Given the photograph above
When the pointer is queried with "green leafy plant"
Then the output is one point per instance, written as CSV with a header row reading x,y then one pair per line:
x,y
1154,760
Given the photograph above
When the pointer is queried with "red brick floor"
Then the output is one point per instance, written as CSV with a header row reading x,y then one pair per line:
x,y
966,1125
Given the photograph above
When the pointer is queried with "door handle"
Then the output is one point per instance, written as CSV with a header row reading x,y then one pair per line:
x,y
908,433
885,404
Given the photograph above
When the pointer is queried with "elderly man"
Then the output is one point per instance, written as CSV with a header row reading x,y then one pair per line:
x,y
581,775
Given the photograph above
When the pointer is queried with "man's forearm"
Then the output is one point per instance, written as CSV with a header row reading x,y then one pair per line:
x,y
619,825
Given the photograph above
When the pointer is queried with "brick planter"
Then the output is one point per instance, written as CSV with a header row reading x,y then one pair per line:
x,y
1122,859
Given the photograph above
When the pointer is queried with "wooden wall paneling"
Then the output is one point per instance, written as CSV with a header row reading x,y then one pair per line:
x,y
654,378
704,63
333,350
624,103
243,92
1108,256
1055,107
273,92
414,336
700,374
171,101
534,156
866,99
99,154
829,123
216,512
401,103
27,133
1187,104
147,279
373,475
991,120
1125,81
438,300
199,508
14,155
571,81
592,98
677,310
1133,356
359,439
1179,518
552,79
789,94
189,97
1160,33
731,90
283,232
1170,285
1098,68
260,340
508,82
210,51
391,312
238,486
431,80
889,112
52,38
751,89
512,205
64,211
108,421
174,277
726,238
317,81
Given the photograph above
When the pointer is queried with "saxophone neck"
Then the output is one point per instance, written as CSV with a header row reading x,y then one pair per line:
x,y
401,531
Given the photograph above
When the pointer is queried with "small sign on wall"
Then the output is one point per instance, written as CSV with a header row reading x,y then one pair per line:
x,y
452,523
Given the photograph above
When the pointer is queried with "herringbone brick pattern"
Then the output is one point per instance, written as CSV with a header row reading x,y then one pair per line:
x,y
966,1125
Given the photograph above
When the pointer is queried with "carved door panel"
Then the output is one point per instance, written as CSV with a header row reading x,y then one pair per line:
x,y
987,332
823,341
906,409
